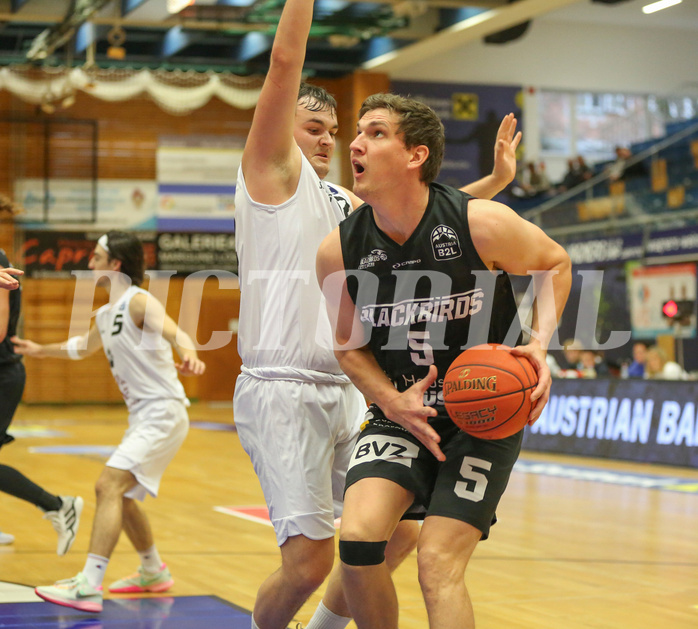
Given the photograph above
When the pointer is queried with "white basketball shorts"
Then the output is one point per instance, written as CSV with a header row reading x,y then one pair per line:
x,y
156,430
299,436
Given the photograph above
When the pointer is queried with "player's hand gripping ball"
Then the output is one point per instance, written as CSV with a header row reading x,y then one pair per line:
x,y
487,391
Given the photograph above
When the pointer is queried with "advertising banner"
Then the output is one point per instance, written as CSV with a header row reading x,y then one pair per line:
x,y
649,287
673,242
599,251
196,183
56,254
188,253
121,203
651,421
471,115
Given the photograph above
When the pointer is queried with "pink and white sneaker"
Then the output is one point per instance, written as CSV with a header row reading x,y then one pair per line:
x,y
76,593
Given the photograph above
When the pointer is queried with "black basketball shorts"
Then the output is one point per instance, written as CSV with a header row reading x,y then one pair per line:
x,y
466,486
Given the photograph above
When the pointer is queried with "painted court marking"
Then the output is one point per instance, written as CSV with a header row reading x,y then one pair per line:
x,y
253,514
36,432
103,451
613,477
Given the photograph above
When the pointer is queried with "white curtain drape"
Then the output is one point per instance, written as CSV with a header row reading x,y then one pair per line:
x,y
175,91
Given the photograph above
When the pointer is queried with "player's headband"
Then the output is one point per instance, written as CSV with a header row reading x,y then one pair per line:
x,y
103,242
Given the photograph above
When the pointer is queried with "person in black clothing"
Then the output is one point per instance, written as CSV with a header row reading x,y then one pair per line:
x,y
577,173
62,511
414,276
623,168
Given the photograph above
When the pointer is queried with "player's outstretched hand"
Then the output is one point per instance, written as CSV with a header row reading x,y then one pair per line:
x,y
408,410
191,366
540,395
7,279
25,347
505,149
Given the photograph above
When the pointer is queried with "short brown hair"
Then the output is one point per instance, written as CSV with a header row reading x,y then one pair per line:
x,y
418,124
315,98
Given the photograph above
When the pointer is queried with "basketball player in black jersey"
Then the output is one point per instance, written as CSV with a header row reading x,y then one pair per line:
x,y
62,511
426,267
286,120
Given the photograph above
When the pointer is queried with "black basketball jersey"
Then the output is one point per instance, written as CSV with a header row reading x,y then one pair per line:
x,y
7,351
427,300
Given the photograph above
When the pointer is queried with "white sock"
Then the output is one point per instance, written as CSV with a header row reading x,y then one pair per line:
x,y
150,560
254,624
94,570
323,618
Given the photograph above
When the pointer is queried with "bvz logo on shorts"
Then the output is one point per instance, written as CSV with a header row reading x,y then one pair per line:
x,y
445,244
388,449
377,255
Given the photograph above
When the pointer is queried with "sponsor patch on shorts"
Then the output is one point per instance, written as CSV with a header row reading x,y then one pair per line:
x,y
386,448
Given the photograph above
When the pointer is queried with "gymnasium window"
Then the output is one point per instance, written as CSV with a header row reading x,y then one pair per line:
x,y
592,124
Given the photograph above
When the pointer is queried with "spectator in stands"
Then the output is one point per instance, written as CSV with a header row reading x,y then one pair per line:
x,y
659,367
620,170
533,182
636,369
587,364
592,364
577,173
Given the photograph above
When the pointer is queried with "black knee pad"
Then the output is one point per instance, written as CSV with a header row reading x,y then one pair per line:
x,y
362,553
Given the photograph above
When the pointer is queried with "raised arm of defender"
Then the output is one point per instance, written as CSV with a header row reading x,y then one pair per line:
x,y
504,169
271,161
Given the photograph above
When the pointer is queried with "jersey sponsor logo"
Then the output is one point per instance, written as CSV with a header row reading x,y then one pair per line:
x,y
376,255
433,396
433,309
385,448
445,243
399,265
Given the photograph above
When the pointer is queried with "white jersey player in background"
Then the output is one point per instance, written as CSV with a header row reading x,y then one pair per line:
x,y
131,329
296,413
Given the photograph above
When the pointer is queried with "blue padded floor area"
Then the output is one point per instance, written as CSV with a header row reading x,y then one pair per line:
x,y
185,612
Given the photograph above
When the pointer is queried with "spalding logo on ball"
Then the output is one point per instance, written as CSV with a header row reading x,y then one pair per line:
x,y
487,391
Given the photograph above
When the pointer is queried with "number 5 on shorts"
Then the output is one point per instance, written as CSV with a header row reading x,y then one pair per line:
x,y
467,490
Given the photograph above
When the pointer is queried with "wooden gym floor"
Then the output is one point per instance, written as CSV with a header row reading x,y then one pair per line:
x,y
580,543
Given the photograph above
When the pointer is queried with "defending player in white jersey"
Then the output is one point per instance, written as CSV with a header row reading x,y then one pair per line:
x,y
132,329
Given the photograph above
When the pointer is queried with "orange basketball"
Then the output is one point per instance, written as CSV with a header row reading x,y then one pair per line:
x,y
487,391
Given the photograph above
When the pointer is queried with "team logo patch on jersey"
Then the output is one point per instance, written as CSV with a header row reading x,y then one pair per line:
x,y
445,243
377,255
384,448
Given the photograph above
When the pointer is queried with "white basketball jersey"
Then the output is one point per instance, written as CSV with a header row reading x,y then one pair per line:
x,y
283,321
142,370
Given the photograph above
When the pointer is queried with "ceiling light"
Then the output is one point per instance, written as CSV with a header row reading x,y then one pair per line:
x,y
658,6
175,6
